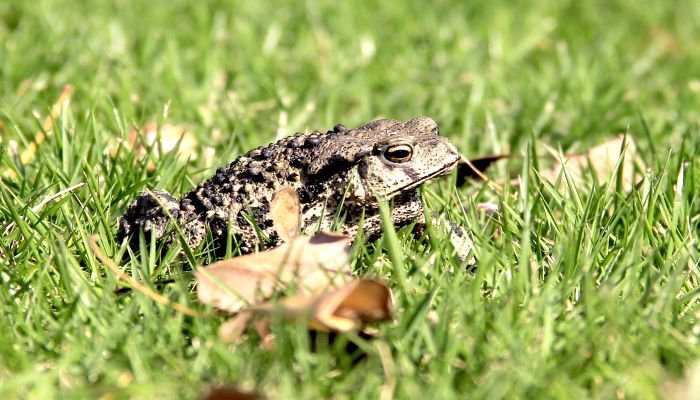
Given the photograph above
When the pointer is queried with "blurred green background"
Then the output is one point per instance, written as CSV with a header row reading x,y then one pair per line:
x,y
570,71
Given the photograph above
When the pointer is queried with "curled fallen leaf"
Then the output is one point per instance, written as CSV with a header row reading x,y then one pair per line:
x,y
352,306
285,211
310,264
344,309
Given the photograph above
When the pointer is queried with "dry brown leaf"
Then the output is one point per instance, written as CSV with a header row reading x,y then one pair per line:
x,y
229,392
161,140
603,159
310,263
473,169
348,308
230,286
166,139
285,211
233,329
686,388
352,306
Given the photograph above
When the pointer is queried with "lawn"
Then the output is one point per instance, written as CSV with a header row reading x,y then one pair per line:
x,y
582,289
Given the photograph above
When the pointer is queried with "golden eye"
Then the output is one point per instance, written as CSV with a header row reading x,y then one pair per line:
x,y
398,153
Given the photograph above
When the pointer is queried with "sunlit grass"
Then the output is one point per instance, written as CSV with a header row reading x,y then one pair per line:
x,y
580,290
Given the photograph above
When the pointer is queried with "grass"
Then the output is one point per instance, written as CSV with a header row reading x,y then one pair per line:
x,y
582,290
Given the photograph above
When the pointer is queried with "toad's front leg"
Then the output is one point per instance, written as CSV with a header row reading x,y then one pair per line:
x,y
152,213
460,241
149,213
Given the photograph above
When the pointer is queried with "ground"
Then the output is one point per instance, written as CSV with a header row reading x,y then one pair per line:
x,y
582,289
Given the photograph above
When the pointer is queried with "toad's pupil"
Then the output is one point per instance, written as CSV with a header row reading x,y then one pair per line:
x,y
398,153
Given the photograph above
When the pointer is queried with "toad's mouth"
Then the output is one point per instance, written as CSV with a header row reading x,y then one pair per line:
x,y
441,172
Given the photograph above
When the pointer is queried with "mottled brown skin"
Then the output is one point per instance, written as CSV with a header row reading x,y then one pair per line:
x,y
352,167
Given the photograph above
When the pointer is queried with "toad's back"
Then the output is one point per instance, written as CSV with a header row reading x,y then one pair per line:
x,y
342,166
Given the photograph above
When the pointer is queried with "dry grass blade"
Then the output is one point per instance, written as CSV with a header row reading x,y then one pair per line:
x,y
121,275
43,202
603,159
57,109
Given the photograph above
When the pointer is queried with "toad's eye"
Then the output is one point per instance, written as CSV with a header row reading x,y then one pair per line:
x,y
398,153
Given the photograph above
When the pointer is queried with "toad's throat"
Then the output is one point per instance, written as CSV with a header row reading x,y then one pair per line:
x,y
445,171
